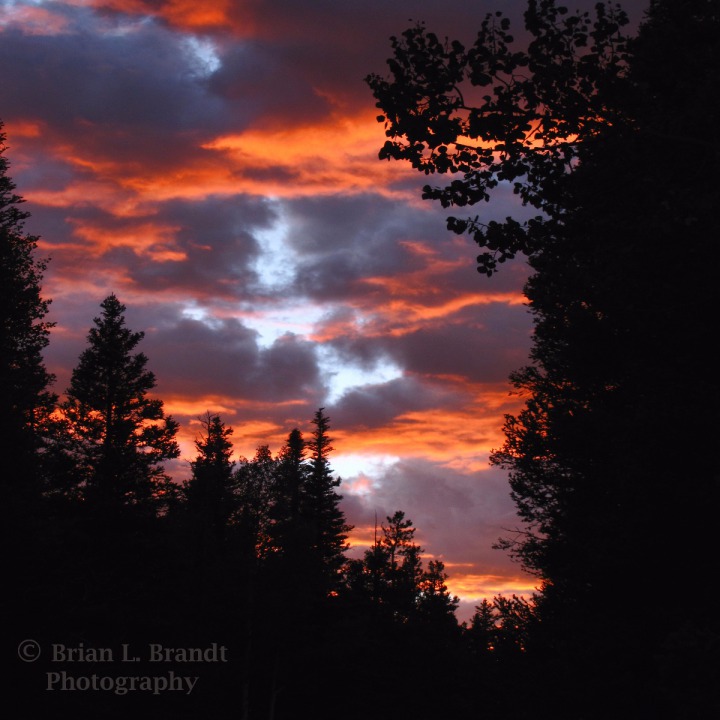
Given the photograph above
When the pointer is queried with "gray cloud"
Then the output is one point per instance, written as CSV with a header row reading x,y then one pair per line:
x,y
223,357
458,516
374,406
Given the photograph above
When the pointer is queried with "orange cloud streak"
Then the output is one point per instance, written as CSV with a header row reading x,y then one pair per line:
x,y
459,438
187,14
148,239
477,586
337,155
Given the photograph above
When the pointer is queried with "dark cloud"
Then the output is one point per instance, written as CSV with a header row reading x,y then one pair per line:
x,y
140,76
130,94
479,343
352,38
340,241
260,75
222,357
374,406
217,238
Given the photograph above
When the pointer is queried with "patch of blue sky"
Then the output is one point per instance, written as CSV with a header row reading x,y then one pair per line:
x,y
272,321
192,311
202,54
341,375
275,272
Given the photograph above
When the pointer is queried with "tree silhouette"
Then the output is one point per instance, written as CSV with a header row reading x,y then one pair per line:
x,y
291,533
118,436
540,105
26,404
611,461
326,520
392,578
404,565
209,492
254,481
482,632
435,606
25,401
292,474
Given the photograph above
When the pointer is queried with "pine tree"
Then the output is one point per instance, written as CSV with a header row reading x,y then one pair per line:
x,y
254,482
435,605
404,564
390,573
328,530
481,635
209,492
25,401
26,404
289,529
118,436
291,476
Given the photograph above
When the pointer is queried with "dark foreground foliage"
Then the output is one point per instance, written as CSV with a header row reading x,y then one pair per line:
x,y
612,460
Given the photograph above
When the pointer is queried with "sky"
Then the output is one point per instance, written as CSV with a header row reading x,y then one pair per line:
x,y
215,166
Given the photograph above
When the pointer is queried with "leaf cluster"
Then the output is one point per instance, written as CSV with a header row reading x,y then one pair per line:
x,y
499,112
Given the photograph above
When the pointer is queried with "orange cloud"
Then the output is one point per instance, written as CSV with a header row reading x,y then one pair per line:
x,y
248,433
180,13
337,155
152,240
478,586
460,438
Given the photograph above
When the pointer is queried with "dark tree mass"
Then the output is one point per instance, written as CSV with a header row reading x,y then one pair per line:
x,y
612,463
24,333
610,137
116,435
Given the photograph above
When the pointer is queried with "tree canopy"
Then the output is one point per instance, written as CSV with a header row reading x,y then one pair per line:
x,y
610,138
536,106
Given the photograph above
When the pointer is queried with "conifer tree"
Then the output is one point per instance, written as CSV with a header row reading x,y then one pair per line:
x,y
326,520
289,529
404,564
118,436
291,476
435,605
481,634
26,404
254,481
25,401
209,491
391,573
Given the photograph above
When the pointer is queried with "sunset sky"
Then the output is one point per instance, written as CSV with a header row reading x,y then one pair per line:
x,y
215,166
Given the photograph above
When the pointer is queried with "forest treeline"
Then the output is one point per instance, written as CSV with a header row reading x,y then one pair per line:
x,y
105,549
